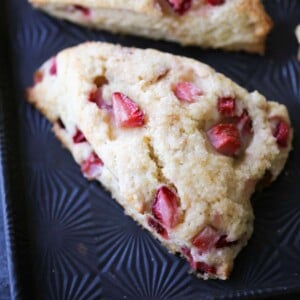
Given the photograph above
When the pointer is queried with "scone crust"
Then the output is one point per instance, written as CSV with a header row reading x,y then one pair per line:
x,y
262,20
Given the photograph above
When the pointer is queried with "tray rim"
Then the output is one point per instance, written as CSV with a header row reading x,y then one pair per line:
x,y
4,167
6,111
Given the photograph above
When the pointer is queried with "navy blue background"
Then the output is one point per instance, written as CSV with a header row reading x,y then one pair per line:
x,y
4,280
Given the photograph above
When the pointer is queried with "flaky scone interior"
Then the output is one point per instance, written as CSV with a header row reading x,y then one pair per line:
x,y
179,146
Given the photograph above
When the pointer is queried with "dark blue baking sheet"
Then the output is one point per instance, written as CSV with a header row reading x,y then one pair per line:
x,y
67,239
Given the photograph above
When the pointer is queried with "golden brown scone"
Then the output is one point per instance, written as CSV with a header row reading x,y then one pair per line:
x,y
226,24
179,146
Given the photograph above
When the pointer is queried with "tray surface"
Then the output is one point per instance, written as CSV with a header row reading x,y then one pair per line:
x,y
69,240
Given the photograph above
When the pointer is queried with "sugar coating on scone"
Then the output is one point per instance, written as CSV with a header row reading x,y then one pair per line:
x,y
227,24
181,147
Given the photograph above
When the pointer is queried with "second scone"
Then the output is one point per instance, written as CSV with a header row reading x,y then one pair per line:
x,y
226,24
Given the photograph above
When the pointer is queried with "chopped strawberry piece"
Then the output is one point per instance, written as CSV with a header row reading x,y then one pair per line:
x,y
78,137
205,268
198,265
92,167
225,138
127,113
281,133
165,207
53,68
85,11
206,239
158,227
222,242
187,253
180,6
244,123
38,77
215,2
226,106
97,98
187,92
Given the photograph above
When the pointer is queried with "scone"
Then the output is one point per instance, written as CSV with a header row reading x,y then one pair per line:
x,y
226,24
180,147
298,38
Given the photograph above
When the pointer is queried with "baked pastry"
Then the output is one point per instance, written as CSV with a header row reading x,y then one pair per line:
x,y
298,38
226,24
179,146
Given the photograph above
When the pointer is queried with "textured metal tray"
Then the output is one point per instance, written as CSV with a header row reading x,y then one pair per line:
x,y
67,239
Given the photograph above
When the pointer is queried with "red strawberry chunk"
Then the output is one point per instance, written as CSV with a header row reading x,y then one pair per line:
x,y
198,265
158,227
78,137
92,167
206,239
223,242
38,77
215,2
180,6
187,253
244,123
84,10
53,68
225,138
165,207
226,106
97,98
205,268
281,133
187,92
127,113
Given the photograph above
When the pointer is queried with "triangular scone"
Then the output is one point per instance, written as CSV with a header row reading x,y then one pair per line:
x,y
227,24
180,146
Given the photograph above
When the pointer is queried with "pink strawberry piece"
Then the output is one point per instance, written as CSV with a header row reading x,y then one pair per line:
x,y
198,265
85,11
205,268
244,123
215,2
53,68
92,167
226,106
97,98
187,91
127,113
281,133
187,253
78,137
158,227
223,242
225,138
165,207
180,6
206,239
38,77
